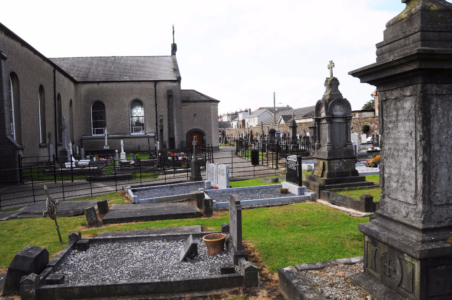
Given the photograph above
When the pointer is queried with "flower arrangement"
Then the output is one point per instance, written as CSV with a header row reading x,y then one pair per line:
x,y
215,188
184,165
373,163
284,191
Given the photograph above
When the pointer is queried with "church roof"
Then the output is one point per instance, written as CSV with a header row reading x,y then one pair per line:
x,y
119,68
192,95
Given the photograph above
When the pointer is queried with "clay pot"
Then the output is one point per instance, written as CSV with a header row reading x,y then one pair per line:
x,y
214,243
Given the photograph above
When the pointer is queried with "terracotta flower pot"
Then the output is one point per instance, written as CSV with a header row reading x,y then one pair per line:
x,y
214,243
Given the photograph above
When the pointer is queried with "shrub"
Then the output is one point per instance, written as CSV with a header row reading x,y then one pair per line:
x,y
365,129
284,191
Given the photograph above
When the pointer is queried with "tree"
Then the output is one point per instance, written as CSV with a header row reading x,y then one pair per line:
x,y
370,105
365,129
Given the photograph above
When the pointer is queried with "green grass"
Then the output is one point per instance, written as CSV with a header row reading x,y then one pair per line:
x,y
140,156
251,182
357,192
374,178
114,198
248,155
10,210
283,236
145,175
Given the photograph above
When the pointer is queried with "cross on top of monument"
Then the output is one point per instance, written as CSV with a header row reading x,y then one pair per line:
x,y
331,66
173,35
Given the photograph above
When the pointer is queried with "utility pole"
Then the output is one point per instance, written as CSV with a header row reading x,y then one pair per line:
x,y
274,108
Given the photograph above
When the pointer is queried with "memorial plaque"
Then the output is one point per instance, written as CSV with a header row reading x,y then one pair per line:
x,y
318,170
294,170
189,250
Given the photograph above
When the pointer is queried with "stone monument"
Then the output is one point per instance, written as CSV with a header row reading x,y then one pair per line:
x,y
123,154
334,156
408,247
272,136
106,139
293,130
234,243
51,151
195,164
294,175
63,154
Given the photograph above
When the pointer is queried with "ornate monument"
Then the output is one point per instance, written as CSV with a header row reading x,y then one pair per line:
x,y
52,211
408,247
334,157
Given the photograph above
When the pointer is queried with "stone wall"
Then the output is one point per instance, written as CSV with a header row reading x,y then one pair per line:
x,y
356,127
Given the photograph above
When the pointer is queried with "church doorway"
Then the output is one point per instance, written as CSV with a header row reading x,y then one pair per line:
x,y
191,136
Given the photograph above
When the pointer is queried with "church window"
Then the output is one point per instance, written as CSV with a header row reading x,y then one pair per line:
x,y
98,118
42,115
15,108
136,117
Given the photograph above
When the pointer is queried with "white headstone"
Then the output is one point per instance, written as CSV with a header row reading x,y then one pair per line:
x,y
355,141
123,154
210,173
363,138
222,176
77,150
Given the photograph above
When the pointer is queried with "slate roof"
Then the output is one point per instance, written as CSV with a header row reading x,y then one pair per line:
x,y
224,124
192,95
257,112
286,115
119,68
278,108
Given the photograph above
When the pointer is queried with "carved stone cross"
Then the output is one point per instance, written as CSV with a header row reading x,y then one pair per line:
x,y
195,145
331,66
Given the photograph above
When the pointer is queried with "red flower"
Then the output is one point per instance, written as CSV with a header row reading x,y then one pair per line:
x,y
215,188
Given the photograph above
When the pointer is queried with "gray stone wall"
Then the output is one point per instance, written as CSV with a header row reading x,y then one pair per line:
x,y
201,115
33,71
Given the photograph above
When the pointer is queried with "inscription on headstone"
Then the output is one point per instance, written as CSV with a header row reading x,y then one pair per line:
x,y
294,170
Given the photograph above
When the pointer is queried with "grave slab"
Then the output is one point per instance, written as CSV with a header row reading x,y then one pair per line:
x,y
189,249
65,209
125,213
183,229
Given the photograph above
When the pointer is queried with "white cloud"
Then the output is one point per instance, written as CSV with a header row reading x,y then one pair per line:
x,y
236,51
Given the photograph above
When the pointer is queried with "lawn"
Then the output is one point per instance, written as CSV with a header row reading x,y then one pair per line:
x,y
283,236
113,198
374,178
357,192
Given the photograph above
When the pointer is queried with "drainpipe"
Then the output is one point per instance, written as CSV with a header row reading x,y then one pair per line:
x,y
55,113
156,114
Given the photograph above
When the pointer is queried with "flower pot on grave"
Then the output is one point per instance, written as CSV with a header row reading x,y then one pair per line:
x,y
214,243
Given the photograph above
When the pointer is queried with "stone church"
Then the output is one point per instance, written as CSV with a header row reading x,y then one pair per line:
x,y
138,99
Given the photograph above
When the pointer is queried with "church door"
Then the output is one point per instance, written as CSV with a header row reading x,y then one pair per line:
x,y
192,137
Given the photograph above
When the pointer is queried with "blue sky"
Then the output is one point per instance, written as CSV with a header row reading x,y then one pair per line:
x,y
236,51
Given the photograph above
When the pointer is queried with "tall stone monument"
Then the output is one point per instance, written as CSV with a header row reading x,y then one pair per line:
x,y
195,174
293,130
334,156
408,248
63,154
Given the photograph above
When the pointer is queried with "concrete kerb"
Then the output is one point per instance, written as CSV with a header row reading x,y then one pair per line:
x,y
308,196
173,198
146,287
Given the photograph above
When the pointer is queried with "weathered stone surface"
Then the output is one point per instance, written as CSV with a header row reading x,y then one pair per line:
x,y
152,231
91,217
55,279
65,209
199,199
30,259
234,242
225,228
82,245
75,236
189,250
364,204
208,208
250,272
406,247
294,170
29,286
227,269
293,286
102,207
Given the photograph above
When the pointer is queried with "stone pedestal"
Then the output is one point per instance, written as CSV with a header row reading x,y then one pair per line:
x,y
406,247
334,157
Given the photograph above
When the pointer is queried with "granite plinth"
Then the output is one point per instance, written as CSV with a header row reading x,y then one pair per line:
x,y
150,212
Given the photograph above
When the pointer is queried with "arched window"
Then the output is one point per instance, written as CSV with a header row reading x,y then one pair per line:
x,y
15,108
136,117
59,119
98,118
71,121
42,115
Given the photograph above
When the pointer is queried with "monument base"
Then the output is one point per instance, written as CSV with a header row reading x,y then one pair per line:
x,y
411,263
319,184
294,189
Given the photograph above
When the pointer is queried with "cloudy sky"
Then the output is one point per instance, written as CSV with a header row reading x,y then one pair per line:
x,y
238,52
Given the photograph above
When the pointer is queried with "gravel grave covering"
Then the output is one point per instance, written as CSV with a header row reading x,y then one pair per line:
x,y
169,191
108,263
333,282
248,194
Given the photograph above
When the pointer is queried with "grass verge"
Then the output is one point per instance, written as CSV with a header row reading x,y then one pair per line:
x,y
357,192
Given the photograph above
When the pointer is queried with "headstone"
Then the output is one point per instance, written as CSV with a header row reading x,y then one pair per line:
x,y
91,217
363,138
70,150
189,249
102,207
51,149
207,208
77,150
294,169
255,157
123,154
235,246
355,141
83,153
293,130
106,140
63,154
272,134
408,247
30,259
225,228
29,286
195,164
210,173
222,176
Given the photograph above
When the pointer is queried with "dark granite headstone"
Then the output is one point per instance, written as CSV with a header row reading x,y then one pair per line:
x,y
235,246
255,157
207,208
294,170
30,259
189,250
102,207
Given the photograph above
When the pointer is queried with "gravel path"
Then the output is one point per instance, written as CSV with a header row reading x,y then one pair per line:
x,y
169,191
248,194
333,282
114,262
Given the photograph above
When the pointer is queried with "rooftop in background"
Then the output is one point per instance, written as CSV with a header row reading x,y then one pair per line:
x,y
118,68
192,95
278,108
286,115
